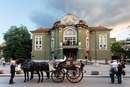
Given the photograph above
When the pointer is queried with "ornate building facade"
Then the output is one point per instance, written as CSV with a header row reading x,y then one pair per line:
x,y
71,37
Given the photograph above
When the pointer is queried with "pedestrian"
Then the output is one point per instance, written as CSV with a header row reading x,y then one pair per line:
x,y
12,72
82,65
113,70
86,58
4,63
123,66
119,73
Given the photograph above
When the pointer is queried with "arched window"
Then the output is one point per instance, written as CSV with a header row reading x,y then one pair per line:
x,y
70,37
70,32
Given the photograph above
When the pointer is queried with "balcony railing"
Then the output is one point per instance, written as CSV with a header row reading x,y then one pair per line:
x,y
70,44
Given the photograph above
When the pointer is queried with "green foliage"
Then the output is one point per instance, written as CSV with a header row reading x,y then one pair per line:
x,y
116,48
2,46
18,43
128,53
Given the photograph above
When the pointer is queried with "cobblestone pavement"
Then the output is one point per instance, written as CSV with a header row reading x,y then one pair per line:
x,y
86,82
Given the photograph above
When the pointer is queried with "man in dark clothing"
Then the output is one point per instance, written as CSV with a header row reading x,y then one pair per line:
x,y
82,65
119,73
123,66
12,71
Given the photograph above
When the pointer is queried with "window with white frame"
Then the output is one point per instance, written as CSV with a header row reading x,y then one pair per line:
x,y
70,37
103,42
38,42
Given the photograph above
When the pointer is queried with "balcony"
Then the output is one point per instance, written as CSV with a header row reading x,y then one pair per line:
x,y
70,44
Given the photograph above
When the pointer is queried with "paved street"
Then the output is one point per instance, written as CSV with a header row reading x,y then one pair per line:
x,y
86,82
89,81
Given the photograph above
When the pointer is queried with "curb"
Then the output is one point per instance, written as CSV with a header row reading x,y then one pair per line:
x,y
102,76
86,76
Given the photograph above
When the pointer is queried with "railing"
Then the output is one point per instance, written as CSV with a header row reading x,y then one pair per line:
x,y
68,44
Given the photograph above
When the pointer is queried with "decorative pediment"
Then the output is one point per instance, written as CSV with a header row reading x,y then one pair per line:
x,y
70,20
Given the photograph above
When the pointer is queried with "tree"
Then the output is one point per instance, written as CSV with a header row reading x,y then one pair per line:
x,y
18,43
128,48
2,46
117,50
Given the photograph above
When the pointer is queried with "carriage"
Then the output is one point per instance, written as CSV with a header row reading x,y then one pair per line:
x,y
70,69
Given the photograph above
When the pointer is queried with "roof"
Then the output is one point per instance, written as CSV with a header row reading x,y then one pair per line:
x,y
40,30
100,28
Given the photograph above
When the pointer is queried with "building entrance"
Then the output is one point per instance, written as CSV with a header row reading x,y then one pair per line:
x,y
70,53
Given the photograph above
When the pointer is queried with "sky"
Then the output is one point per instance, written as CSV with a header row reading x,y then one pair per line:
x,y
113,14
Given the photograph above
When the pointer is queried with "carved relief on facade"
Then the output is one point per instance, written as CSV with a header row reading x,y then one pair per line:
x,y
70,20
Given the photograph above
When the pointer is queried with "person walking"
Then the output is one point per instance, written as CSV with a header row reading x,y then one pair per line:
x,y
119,73
12,71
82,65
123,66
113,70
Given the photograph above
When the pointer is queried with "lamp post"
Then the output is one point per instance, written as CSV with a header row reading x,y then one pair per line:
x,y
95,48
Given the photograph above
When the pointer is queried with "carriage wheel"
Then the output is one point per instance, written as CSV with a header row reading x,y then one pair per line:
x,y
74,76
58,76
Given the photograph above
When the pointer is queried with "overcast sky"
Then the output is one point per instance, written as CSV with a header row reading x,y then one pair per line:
x,y
43,13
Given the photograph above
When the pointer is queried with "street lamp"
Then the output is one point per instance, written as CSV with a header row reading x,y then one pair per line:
x,y
95,48
79,43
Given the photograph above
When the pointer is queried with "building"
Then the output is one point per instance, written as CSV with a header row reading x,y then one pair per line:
x,y
113,40
71,37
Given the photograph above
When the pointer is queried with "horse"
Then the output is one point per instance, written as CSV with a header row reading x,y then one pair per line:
x,y
27,67
38,67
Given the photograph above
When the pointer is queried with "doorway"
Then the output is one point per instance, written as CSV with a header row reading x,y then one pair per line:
x,y
70,53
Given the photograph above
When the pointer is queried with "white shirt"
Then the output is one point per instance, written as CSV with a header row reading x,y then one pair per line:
x,y
114,64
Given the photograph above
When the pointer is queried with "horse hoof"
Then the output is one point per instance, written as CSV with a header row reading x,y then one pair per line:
x,y
47,78
31,78
24,80
41,80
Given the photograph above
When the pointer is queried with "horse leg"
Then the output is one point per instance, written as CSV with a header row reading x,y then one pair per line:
x,y
27,75
42,76
31,75
24,76
48,74
38,77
